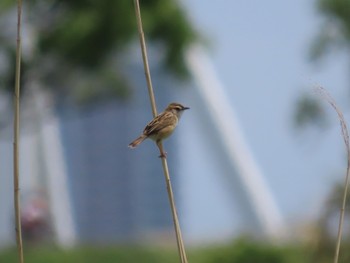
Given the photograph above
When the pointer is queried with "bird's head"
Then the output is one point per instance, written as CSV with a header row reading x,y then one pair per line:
x,y
176,108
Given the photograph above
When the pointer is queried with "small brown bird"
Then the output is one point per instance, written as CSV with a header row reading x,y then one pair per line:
x,y
162,126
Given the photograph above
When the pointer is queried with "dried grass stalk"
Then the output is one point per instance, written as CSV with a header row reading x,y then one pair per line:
x,y
179,240
345,134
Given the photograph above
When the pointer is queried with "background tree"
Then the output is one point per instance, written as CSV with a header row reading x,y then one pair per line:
x,y
334,35
75,44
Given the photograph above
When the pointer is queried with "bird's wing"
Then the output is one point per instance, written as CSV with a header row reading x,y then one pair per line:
x,y
158,123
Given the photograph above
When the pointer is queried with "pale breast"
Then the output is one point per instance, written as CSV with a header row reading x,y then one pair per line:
x,y
164,132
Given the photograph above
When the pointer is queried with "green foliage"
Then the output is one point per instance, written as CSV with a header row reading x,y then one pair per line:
x,y
338,10
244,251
91,255
5,5
78,42
176,36
241,251
323,251
85,32
335,31
334,35
308,111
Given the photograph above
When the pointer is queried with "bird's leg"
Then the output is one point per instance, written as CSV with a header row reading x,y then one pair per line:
x,y
161,150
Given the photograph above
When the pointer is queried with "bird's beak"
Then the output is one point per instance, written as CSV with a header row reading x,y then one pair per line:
x,y
186,108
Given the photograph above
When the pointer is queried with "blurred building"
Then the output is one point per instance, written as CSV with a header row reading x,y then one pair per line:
x,y
100,191
117,194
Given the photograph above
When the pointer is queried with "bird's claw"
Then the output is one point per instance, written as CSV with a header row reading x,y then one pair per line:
x,y
162,155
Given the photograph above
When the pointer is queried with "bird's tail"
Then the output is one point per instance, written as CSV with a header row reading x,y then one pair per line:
x,y
136,142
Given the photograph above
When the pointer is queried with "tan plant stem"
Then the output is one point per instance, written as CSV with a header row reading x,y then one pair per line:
x,y
179,240
344,130
17,205
145,58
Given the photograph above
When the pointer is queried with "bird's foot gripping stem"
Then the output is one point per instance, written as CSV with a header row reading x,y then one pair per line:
x,y
163,154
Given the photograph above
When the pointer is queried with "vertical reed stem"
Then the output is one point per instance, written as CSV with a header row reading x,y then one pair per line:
x,y
145,58
179,240
17,206
345,134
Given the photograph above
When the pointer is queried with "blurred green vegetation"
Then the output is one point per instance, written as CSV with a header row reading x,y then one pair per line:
x,y
334,33
333,36
241,251
75,43
317,247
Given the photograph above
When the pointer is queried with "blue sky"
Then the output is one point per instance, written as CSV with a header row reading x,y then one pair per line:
x,y
260,51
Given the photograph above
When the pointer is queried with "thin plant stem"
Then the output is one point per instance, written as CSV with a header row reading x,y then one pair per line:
x,y
17,205
179,240
345,134
145,58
